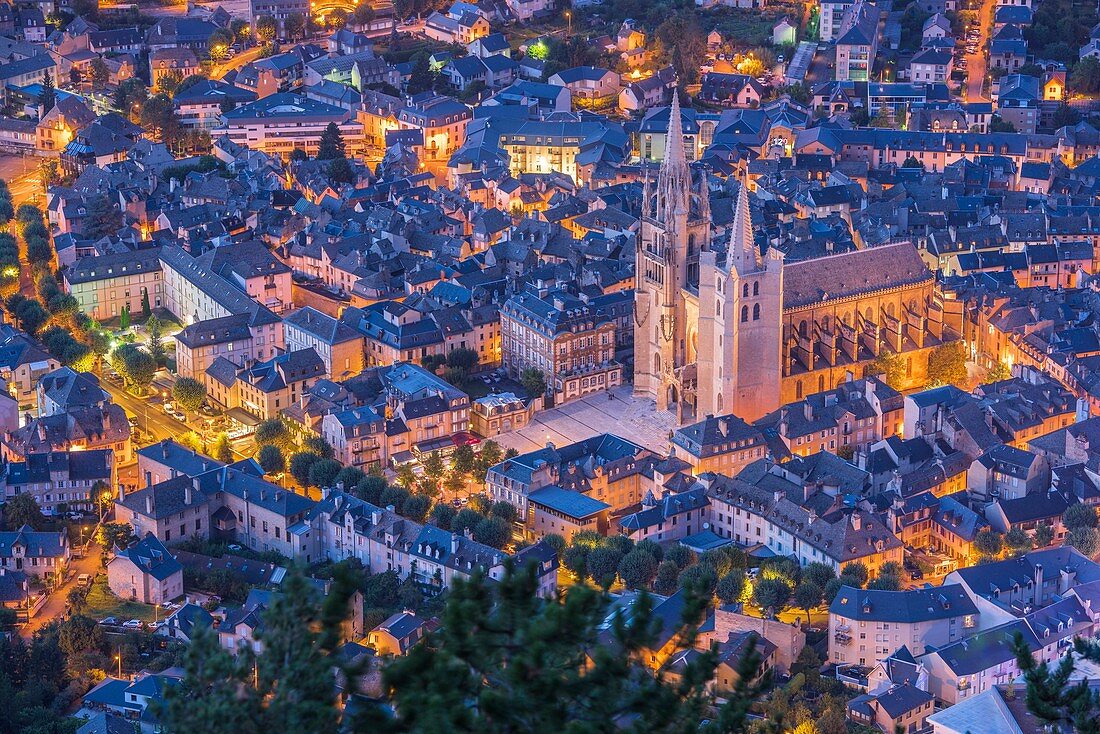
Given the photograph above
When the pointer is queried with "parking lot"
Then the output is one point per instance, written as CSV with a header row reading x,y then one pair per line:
x,y
623,414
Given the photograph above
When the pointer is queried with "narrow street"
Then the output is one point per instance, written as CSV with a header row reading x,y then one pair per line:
x,y
977,64
54,607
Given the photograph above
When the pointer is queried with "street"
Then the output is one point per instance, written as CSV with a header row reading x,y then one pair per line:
x,y
977,63
21,175
54,608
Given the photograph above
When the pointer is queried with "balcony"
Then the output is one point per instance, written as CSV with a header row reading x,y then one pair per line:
x,y
843,635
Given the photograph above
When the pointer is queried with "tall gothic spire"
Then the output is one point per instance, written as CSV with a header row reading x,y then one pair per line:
x,y
704,197
742,247
647,202
674,178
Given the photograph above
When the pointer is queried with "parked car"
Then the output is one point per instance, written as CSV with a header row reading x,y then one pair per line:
x,y
84,579
132,624
110,621
169,408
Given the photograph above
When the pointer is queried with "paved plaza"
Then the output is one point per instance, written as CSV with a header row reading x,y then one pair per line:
x,y
624,415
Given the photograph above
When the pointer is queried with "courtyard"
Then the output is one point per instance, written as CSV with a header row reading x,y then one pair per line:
x,y
623,415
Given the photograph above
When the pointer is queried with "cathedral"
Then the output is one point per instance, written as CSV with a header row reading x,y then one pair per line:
x,y
721,328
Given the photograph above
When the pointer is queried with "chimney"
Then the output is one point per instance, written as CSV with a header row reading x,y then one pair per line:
x,y
121,492
857,521
454,543
189,491
149,504
164,448
1038,581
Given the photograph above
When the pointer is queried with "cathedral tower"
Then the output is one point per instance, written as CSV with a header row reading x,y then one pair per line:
x,y
740,324
675,230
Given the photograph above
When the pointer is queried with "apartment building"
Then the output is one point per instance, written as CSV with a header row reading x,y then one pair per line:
x,y
280,123
264,389
868,625
724,444
240,339
105,285
572,344
62,481
857,43
44,555
339,346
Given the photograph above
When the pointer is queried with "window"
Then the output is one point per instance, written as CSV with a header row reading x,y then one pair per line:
x,y
744,312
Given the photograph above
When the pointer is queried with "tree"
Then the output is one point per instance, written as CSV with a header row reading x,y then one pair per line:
x,y
533,381
885,582
331,144
668,578
421,79
79,634
807,595
189,393
1017,541
319,446
637,569
890,367
273,432
170,81
603,564
300,464
47,98
349,477
830,590
1065,116
104,217
855,574
124,318
434,468
1085,77
818,573
323,473
947,364
340,171
442,515
158,117
114,535
99,72
31,316
989,542
221,450
295,25
493,531
997,125
1044,536
266,27
731,587
1086,540
220,41
462,460
22,509
490,455
912,162
416,506
272,460
136,366
49,174
771,595
1079,516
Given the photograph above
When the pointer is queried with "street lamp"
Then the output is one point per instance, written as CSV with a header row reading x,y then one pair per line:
x,y
118,657
569,19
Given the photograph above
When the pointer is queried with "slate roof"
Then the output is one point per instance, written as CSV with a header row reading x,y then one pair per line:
x,y
852,273
151,557
910,606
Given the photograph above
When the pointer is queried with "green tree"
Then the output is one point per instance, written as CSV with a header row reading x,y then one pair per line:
x,y
527,687
100,74
266,27
989,542
947,364
885,582
668,578
603,564
319,446
47,98
1065,116
295,25
300,464
156,339
273,432
1079,516
104,217
442,515
218,44
1085,77
1044,536
136,366
222,450
831,588
1086,540
771,595
169,82
421,79
323,473
807,596
146,309
637,569
488,456
340,171
731,587
818,573
493,531
912,162
462,460
23,509
1017,541
434,468
189,393
79,634
855,574
31,316
272,460
331,144
533,381
890,367
997,125
124,318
